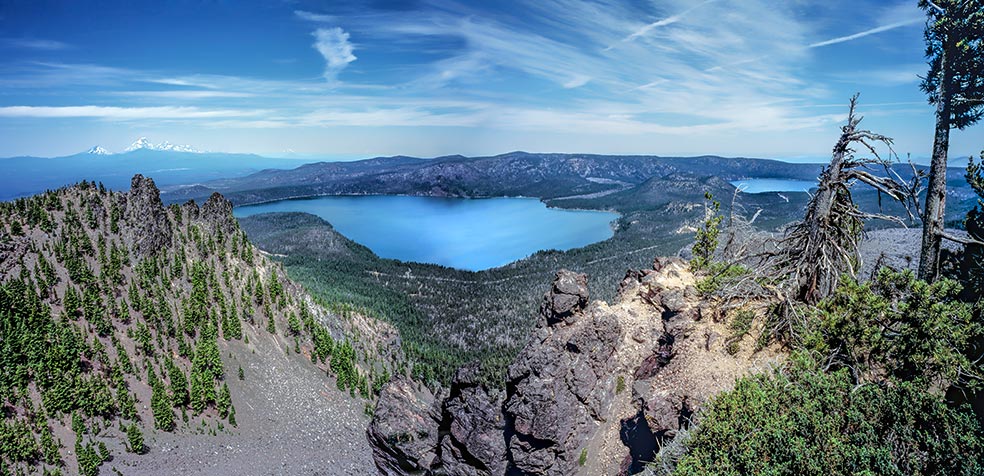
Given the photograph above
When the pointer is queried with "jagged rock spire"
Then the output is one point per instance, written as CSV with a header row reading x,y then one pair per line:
x,y
149,228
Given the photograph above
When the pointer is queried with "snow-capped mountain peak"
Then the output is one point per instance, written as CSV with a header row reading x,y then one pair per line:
x,y
141,143
144,143
97,150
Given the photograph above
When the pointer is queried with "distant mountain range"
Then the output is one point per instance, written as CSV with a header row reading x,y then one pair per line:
x,y
513,174
186,173
167,163
144,143
545,176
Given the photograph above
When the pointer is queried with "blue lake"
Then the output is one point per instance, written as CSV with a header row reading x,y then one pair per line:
x,y
774,185
472,234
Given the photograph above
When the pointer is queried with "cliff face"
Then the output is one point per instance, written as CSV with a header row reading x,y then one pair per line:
x,y
595,391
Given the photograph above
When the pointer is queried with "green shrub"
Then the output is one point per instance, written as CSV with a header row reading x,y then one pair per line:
x,y
897,327
718,274
799,420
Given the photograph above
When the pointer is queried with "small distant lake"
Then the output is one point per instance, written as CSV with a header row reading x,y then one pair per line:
x,y
472,234
774,185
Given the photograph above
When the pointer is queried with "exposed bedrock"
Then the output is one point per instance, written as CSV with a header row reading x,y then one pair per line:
x,y
473,428
217,213
404,431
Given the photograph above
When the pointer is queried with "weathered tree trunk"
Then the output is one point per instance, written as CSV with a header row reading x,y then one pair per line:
x,y
935,210
820,209
824,203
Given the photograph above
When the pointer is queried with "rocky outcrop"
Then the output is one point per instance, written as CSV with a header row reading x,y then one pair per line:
x,y
597,390
190,210
404,431
149,228
216,213
563,383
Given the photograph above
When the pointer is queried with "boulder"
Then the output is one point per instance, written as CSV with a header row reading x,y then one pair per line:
x,y
567,297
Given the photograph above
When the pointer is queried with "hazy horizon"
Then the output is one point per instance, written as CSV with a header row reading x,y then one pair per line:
x,y
305,158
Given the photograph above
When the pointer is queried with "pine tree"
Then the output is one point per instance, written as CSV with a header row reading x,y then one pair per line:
x,y
78,425
972,266
104,454
955,85
72,302
205,369
160,403
271,325
126,402
179,383
294,324
223,401
88,459
49,447
135,439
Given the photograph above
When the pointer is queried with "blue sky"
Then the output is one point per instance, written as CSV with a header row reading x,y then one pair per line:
x,y
352,79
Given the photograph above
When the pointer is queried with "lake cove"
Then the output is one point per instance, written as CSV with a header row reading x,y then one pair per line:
x,y
762,185
470,234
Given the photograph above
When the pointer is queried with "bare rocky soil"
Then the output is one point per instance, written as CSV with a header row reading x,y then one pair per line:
x,y
895,247
292,421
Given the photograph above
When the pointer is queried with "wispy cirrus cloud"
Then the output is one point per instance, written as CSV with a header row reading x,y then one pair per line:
x,y
186,94
668,71
645,29
124,113
34,44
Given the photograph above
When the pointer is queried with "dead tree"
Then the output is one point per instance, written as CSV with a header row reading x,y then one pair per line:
x,y
818,250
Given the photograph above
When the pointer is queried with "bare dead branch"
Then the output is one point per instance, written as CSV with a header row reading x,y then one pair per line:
x,y
959,239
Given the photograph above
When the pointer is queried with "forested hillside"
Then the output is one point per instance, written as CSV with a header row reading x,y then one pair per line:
x,y
121,319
